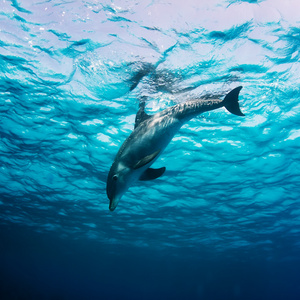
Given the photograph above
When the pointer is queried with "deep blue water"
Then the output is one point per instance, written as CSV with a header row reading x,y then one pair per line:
x,y
224,220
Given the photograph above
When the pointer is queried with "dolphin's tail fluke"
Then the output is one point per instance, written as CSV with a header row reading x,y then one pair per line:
x,y
231,102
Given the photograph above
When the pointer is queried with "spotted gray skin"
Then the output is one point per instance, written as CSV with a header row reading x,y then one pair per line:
x,y
150,137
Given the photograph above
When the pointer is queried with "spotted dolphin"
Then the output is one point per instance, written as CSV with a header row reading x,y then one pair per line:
x,y
151,135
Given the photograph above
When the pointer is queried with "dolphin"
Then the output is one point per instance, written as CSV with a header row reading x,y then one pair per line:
x,y
151,135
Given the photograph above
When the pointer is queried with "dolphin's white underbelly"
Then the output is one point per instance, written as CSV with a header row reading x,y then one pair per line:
x,y
154,135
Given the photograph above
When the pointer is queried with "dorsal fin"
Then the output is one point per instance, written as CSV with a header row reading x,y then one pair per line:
x,y
141,116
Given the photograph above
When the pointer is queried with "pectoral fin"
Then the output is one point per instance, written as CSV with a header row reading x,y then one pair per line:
x,y
145,160
151,174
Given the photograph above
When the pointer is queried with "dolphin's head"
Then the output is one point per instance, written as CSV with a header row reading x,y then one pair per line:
x,y
117,184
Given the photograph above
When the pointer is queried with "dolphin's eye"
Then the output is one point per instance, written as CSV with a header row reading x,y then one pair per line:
x,y
115,177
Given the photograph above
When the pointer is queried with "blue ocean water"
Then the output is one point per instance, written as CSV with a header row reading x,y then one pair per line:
x,y
224,220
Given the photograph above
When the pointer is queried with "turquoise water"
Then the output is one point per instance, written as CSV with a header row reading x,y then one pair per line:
x,y
223,222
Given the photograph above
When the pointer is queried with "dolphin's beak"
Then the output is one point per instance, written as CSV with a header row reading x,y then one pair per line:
x,y
113,203
111,207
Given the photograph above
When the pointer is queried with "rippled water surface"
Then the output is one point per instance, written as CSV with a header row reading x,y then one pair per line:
x,y
224,220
